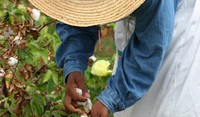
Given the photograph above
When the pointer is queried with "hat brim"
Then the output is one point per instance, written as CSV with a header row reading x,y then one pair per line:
x,y
87,12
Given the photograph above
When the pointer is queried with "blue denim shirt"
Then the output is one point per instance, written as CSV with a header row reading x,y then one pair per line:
x,y
140,60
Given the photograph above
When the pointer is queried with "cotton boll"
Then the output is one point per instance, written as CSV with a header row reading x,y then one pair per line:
x,y
81,103
79,91
88,107
89,104
12,61
17,39
18,42
93,58
35,14
2,73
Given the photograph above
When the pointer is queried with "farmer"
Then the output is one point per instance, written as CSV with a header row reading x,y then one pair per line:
x,y
158,71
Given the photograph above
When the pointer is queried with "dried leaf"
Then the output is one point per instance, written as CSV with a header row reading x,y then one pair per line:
x,y
11,88
26,96
19,85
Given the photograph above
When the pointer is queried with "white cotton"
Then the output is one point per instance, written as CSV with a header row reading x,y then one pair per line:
x,y
82,103
36,14
93,58
18,42
79,91
2,73
12,61
17,39
88,103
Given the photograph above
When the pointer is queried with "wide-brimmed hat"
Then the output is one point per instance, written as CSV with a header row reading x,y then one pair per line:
x,y
87,12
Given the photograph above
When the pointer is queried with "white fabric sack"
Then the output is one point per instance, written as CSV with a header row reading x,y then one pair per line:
x,y
176,90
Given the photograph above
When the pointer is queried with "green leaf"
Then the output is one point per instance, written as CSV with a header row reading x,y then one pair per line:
x,y
50,86
47,114
28,111
52,97
37,104
48,75
59,113
2,111
87,74
38,52
6,104
51,64
12,113
55,43
55,77
75,115
6,17
19,12
112,25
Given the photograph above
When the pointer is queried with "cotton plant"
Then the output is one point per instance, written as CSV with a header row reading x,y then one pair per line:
x,y
26,60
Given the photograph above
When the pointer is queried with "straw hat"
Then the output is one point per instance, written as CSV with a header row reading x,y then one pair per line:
x,y
87,12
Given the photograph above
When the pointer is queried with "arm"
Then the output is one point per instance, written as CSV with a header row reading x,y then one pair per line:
x,y
72,55
143,55
77,46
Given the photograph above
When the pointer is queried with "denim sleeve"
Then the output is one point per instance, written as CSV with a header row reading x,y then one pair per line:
x,y
143,55
77,46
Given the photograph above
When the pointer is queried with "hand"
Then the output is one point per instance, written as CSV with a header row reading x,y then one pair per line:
x,y
75,80
99,110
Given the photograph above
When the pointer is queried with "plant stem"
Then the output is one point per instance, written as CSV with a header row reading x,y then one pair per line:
x,y
46,24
